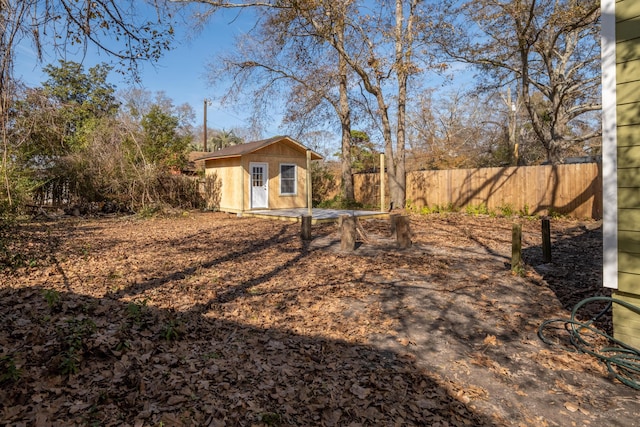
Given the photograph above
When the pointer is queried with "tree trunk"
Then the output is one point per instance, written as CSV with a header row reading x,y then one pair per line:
x,y
400,192
345,123
395,166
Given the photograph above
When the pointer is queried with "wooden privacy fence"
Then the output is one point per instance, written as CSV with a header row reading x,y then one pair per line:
x,y
574,190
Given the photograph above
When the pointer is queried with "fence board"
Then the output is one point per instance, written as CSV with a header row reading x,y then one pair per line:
x,y
573,190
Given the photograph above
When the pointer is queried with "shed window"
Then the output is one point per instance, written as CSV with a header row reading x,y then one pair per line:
x,y
287,179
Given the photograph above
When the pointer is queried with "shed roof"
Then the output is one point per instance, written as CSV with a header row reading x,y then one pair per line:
x,y
251,147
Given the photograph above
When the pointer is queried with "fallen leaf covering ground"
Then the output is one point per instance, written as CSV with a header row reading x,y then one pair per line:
x,y
209,319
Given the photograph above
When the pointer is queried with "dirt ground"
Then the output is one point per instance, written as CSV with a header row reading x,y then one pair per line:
x,y
207,319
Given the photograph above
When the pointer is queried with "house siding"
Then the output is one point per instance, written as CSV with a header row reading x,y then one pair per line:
x,y
626,323
627,52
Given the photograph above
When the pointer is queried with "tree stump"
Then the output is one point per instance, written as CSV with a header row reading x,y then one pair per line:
x,y
306,227
347,232
392,226
402,231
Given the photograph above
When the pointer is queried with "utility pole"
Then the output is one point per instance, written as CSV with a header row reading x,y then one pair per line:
x,y
204,142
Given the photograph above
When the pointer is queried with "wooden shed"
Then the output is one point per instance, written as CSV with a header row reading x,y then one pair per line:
x,y
621,161
265,174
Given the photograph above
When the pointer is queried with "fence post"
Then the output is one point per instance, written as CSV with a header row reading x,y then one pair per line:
x,y
382,188
306,227
546,240
516,248
309,185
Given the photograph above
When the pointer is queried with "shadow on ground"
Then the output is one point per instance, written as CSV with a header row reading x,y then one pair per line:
x,y
575,271
224,321
73,359
100,361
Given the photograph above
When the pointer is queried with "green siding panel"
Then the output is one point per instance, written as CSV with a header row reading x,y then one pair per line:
x,y
629,29
627,318
628,198
629,241
629,157
627,51
628,282
629,114
627,9
626,323
628,71
628,136
629,219
628,93
626,297
629,178
630,263
630,338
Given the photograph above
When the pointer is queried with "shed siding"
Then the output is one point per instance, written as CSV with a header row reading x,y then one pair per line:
x,y
232,167
229,173
274,155
627,324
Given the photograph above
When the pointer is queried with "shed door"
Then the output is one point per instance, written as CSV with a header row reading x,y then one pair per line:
x,y
259,185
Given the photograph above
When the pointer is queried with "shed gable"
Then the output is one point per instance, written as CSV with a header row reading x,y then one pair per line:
x,y
283,150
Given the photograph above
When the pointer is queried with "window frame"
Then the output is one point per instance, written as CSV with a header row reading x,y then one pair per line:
x,y
294,179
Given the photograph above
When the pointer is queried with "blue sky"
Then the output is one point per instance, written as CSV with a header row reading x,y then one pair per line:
x,y
180,73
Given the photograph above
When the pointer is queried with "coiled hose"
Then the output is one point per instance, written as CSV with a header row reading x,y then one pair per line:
x,y
622,360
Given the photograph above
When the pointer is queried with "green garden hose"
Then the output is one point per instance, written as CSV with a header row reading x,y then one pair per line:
x,y
622,360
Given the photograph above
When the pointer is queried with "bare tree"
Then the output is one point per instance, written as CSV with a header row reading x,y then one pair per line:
x,y
381,53
287,57
457,129
550,47
378,42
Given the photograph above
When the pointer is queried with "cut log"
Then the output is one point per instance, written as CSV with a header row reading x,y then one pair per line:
x,y
348,233
403,231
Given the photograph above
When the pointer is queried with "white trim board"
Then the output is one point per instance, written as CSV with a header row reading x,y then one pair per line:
x,y
609,146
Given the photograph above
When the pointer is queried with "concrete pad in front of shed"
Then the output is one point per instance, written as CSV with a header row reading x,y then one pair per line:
x,y
317,215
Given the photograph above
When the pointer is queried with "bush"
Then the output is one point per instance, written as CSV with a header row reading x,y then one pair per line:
x,y
338,202
323,183
480,209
